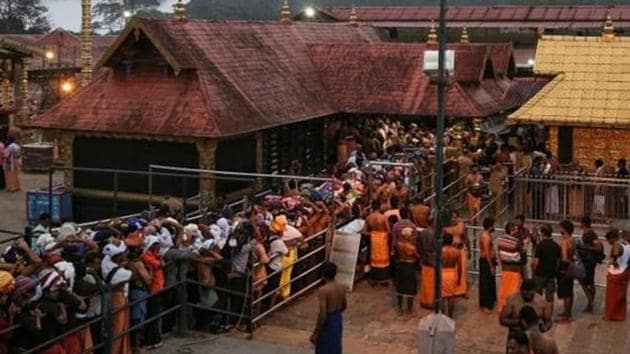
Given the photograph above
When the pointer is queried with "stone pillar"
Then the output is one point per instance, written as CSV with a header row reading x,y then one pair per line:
x,y
553,140
7,94
260,158
207,150
23,92
65,141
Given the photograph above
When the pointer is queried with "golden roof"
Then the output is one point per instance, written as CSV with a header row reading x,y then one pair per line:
x,y
591,85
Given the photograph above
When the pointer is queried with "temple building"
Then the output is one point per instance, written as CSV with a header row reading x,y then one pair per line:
x,y
585,106
251,97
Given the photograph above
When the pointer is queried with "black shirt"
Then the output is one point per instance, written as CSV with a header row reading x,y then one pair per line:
x,y
549,254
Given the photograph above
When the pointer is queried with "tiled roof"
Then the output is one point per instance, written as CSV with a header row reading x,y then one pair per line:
x,y
521,90
387,78
252,75
558,16
241,77
592,85
375,78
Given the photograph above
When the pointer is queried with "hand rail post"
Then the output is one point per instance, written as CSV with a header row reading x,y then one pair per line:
x,y
107,324
182,299
115,194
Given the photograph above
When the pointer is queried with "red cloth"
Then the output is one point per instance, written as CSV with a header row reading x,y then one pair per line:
x,y
616,293
152,260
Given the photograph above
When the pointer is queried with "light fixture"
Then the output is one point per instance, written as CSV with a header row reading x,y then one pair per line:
x,y
67,86
127,14
50,55
309,12
530,62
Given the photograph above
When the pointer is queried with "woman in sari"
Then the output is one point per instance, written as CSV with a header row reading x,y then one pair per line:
x,y
12,161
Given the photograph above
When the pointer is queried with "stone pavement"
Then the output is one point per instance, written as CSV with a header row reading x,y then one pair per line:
x,y
13,205
373,326
200,343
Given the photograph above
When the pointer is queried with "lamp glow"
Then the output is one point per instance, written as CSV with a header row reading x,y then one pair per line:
x,y
309,12
530,62
67,87
49,54
127,13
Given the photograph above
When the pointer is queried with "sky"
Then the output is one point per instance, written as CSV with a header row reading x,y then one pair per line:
x,y
67,13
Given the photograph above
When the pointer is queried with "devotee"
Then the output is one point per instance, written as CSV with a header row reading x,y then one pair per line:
x,y
327,335
402,224
420,213
155,266
527,238
426,246
510,314
406,268
591,252
487,268
277,250
12,161
138,290
599,200
377,227
547,255
539,343
518,343
617,277
457,229
451,274
565,278
117,276
510,252
474,184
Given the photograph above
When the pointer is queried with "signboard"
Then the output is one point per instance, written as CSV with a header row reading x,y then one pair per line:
x,y
430,63
345,252
37,203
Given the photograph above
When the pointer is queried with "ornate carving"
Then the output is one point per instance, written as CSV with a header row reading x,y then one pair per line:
x,y
86,42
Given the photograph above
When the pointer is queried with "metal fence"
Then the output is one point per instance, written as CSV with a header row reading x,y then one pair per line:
x,y
571,197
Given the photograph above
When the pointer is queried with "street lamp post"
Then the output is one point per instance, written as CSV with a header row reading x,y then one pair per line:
x,y
439,155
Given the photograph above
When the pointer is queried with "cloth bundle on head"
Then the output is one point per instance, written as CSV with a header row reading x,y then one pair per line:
x,y
192,231
290,233
166,241
149,241
112,250
51,280
67,230
7,283
44,243
134,239
23,285
279,224
66,269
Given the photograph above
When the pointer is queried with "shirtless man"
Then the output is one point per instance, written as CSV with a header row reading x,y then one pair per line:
x,y
420,213
451,274
474,182
377,227
332,302
510,315
539,343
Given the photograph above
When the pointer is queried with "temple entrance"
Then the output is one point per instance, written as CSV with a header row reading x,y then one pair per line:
x,y
565,145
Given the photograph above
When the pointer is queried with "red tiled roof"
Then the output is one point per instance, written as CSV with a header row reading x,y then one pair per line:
x,y
239,77
522,16
387,78
252,76
376,78
522,89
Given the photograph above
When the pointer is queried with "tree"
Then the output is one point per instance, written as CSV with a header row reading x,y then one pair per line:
x,y
23,16
109,14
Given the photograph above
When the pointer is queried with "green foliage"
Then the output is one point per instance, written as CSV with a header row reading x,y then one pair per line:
x,y
23,16
109,14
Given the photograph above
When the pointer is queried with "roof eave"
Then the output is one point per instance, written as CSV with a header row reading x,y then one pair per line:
x,y
135,25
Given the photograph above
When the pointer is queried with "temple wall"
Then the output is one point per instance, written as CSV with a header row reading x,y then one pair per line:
x,y
590,144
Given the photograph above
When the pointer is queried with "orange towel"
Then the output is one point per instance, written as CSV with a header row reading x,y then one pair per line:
x,y
510,284
379,254
427,296
449,282
474,203
120,324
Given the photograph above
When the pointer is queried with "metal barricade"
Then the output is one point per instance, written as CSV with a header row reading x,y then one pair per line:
x,y
571,197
